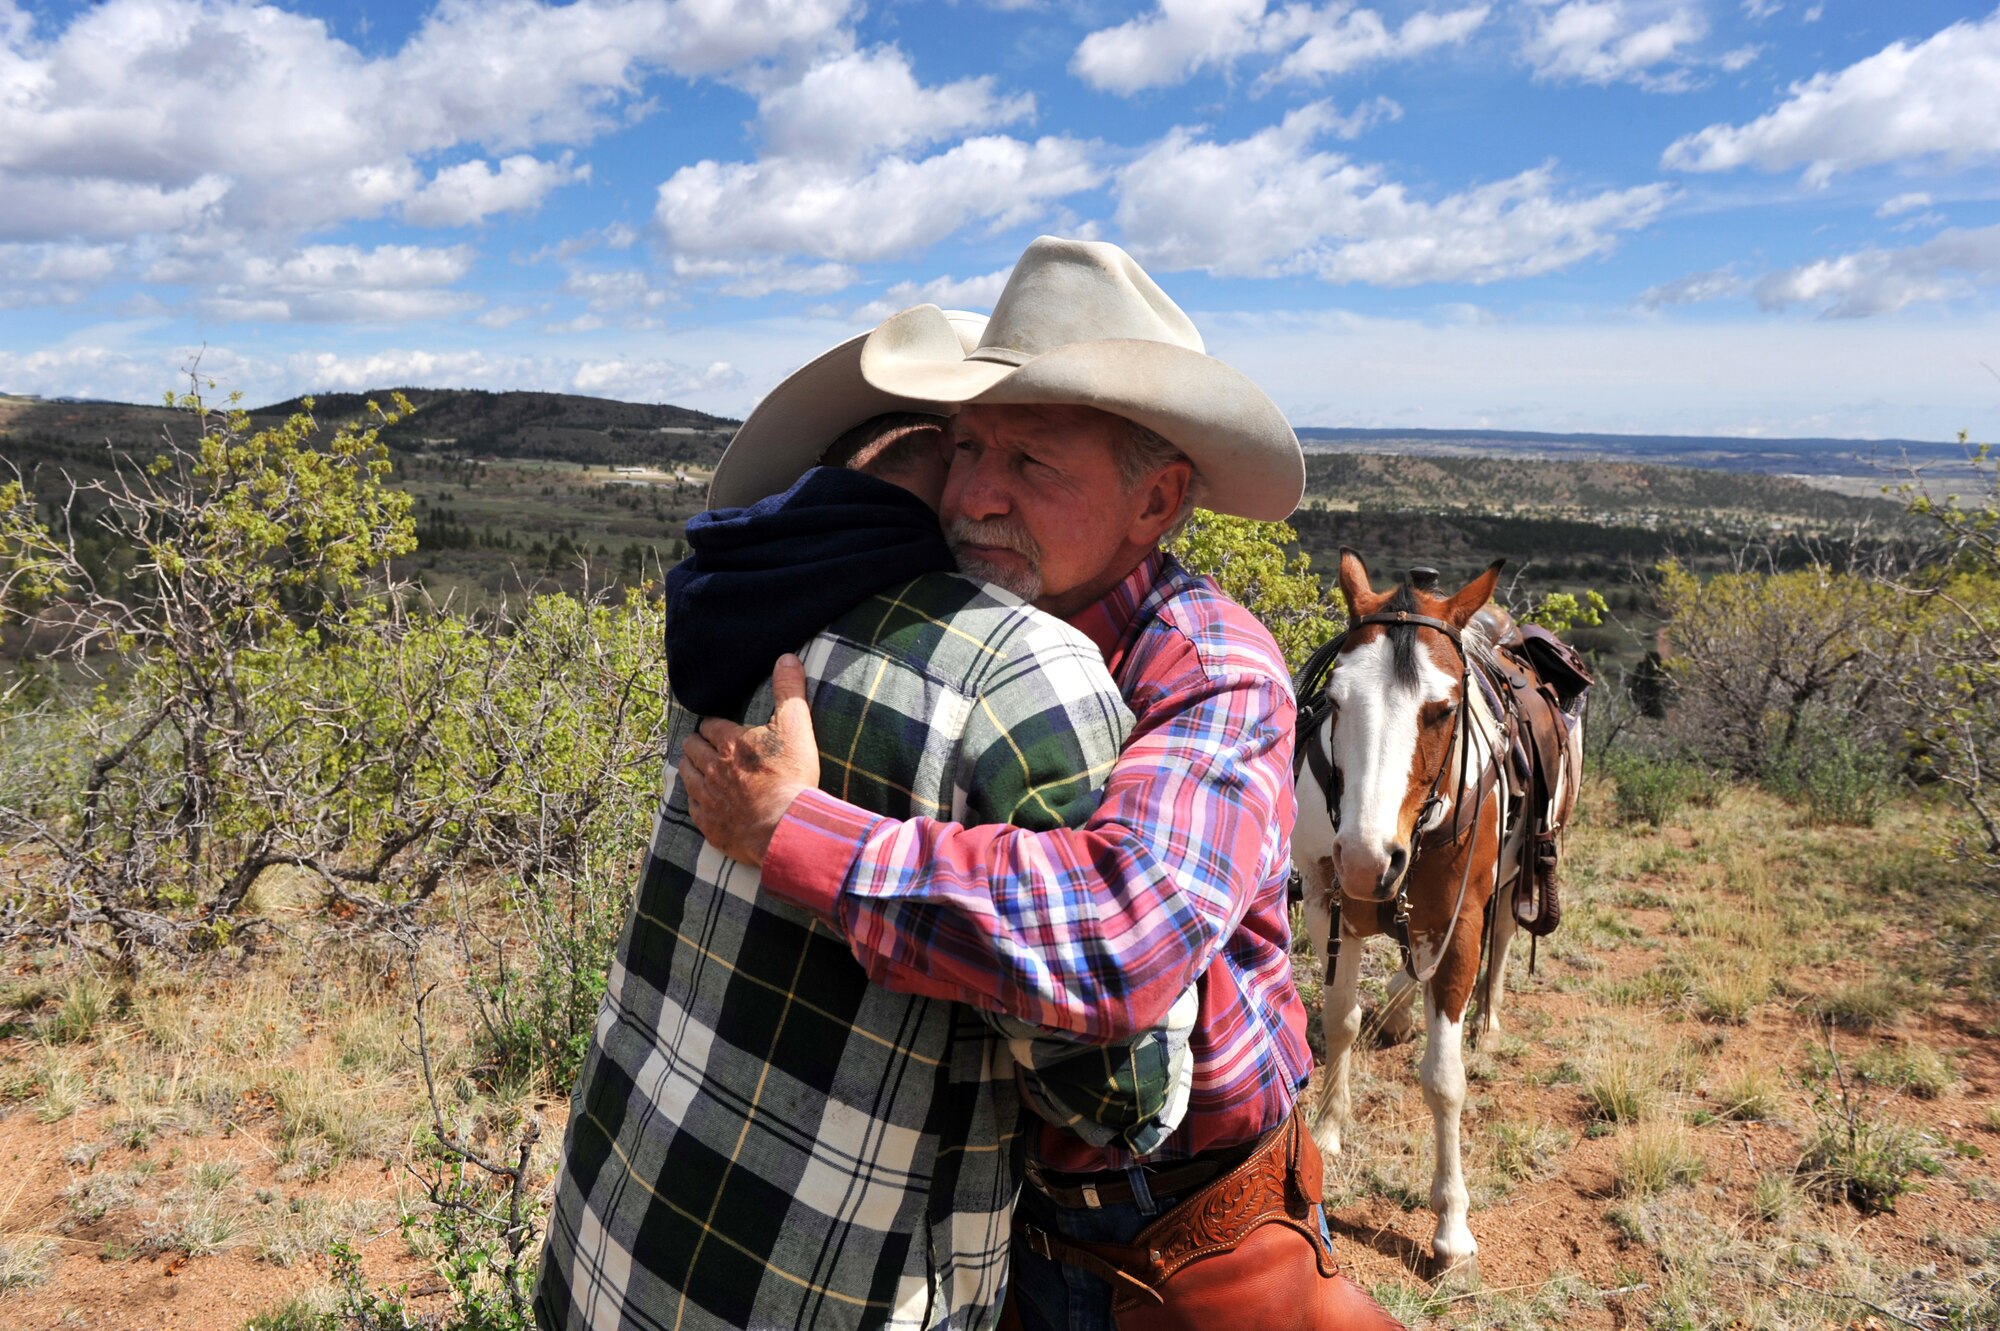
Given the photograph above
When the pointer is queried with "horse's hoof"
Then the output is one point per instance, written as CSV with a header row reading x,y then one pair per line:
x,y
1387,1034
1327,1138
1454,1277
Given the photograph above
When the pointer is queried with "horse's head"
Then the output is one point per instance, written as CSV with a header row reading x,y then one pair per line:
x,y
1395,692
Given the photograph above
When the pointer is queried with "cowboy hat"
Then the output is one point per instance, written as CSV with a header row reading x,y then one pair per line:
x,y
1080,324
814,405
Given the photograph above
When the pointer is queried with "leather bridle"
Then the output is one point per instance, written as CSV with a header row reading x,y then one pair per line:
x,y
1308,751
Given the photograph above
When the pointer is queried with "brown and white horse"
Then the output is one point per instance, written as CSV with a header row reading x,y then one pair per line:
x,y
1403,824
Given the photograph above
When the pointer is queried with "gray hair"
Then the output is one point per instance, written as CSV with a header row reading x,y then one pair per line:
x,y
1142,452
887,442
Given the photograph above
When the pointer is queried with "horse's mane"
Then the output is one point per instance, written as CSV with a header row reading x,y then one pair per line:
x,y
1475,638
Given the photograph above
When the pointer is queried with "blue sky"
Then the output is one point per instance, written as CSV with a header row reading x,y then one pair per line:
x,y
1765,217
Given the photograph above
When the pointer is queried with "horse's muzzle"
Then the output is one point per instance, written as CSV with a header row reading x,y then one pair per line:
x,y
1374,878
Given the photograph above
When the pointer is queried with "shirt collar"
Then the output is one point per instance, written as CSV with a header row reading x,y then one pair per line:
x,y
1108,621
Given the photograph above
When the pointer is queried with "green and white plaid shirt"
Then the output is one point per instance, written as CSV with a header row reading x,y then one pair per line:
x,y
761,1137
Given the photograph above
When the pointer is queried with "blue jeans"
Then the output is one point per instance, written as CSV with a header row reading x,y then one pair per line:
x,y
1052,1296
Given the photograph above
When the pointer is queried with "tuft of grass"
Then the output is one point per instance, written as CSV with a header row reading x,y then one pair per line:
x,y
199,1225
213,1176
1776,1198
315,1103
91,1199
84,1003
23,1262
1524,1152
1916,1068
1412,1305
62,1089
1621,1084
169,1022
1656,1154
318,1309
1859,1006
1730,989
308,1226
1750,1094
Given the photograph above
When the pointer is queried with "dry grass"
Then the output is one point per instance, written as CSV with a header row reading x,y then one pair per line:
x,y
1751,1093
24,1261
1622,1083
1863,1005
1916,1068
1655,1154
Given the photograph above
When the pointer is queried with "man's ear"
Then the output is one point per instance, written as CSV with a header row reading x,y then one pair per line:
x,y
1162,500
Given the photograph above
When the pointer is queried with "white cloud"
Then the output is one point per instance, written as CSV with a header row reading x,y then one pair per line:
x,y
890,207
610,290
1759,10
473,191
1180,38
1364,118
54,274
1872,281
1904,203
46,209
1694,288
501,316
583,323
118,374
1341,39
633,380
864,102
764,276
1931,99
973,293
1611,41
1269,205
146,116
321,283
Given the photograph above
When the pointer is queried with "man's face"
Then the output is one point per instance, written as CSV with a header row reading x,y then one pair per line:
x,y
1035,503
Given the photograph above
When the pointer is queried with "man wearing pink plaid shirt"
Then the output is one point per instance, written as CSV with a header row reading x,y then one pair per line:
x,y
1089,422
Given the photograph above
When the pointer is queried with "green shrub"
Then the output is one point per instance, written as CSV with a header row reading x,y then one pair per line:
x,y
1838,779
1651,789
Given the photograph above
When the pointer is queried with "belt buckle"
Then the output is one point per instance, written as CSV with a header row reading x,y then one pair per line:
x,y
1038,1242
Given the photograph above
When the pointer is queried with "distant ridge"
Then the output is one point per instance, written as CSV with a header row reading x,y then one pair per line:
x,y
1803,457
1315,432
565,427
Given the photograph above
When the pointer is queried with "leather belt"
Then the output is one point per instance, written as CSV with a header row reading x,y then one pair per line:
x,y
1111,1187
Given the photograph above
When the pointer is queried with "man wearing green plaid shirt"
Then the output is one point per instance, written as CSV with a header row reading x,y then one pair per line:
x,y
761,1137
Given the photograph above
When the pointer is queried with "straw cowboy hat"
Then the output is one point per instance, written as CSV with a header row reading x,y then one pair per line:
x,y
814,405
1080,324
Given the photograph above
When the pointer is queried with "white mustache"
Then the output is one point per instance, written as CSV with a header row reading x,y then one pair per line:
x,y
996,532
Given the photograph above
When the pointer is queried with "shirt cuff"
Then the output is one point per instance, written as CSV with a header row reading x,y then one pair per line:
x,y
816,844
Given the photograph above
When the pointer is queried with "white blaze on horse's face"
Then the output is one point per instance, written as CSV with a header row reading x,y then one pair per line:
x,y
1385,763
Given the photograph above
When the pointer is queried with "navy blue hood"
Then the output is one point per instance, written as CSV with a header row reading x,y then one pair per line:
x,y
763,580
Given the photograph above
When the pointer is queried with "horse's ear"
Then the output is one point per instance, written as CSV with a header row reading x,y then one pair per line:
x,y
1465,603
1354,585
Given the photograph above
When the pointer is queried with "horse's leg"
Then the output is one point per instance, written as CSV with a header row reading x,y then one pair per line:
x,y
1340,1022
1495,983
1394,1020
1453,1251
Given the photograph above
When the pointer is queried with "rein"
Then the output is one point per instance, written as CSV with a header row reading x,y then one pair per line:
x,y
1312,717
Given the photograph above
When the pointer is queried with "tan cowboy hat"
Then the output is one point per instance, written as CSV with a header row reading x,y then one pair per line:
x,y
813,406
1080,324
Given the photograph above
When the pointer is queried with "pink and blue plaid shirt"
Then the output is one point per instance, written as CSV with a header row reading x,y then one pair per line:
x,y
1179,874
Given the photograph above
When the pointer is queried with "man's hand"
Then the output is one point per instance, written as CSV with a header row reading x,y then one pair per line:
x,y
740,780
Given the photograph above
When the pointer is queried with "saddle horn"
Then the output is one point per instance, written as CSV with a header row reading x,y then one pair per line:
x,y
1424,579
